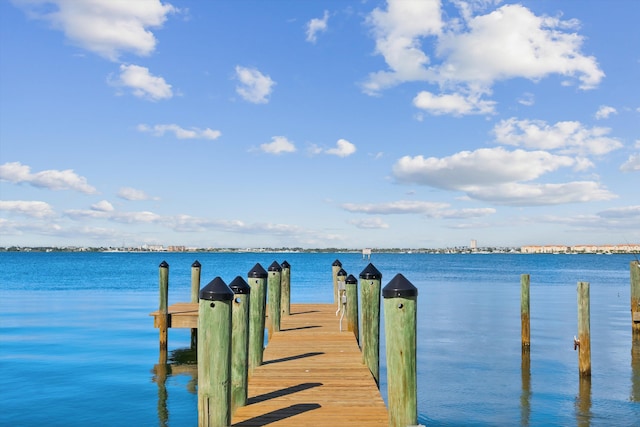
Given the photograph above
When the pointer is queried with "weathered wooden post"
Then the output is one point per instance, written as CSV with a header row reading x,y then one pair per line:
x,y
239,342
583,343
370,290
257,279
285,300
163,309
400,323
195,290
351,285
274,285
524,312
634,269
214,354
341,277
335,267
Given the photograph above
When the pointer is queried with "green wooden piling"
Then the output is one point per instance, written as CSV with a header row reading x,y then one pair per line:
x,y
351,285
524,312
370,335
335,267
214,355
163,309
634,270
195,290
239,342
257,279
285,297
400,323
274,294
584,330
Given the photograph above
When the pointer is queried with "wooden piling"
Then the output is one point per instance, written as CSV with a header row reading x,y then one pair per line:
x,y
370,291
584,330
285,300
341,277
351,285
195,291
239,342
400,320
524,312
214,355
257,279
335,267
163,309
634,270
274,295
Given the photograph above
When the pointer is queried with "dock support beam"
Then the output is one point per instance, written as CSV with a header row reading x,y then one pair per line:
x,y
195,290
370,290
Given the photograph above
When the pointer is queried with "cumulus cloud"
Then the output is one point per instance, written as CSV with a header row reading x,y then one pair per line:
x,y
605,111
519,194
254,87
34,209
343,148
105,27
278,145
142,83
632,164
180,132
455,104
132,194
102,206
317,25
569,137
429,209
17,173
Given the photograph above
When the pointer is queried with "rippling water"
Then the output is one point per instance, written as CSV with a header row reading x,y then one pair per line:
x,y
78,348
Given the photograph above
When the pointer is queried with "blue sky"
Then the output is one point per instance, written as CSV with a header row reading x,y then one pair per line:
x,y
319,124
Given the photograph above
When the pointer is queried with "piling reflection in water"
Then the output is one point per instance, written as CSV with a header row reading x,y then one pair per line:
x,y
525,396
583,403
181,361
635,371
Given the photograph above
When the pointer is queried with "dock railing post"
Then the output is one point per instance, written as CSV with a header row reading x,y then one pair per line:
x,y
634,272
274,291
257,279
195,290
400,322
351,284
335,267
524,313
239,342
285,300
370,290
163,309
583,343
214,355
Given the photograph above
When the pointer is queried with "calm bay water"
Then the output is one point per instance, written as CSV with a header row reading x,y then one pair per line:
x,y
78,348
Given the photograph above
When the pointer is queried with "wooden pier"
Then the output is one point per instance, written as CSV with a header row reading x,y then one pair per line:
x,y
312,373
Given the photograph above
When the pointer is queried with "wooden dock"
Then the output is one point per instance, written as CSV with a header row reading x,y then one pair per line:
x,y
312,373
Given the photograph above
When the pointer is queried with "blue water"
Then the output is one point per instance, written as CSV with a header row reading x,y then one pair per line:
x,y
78,348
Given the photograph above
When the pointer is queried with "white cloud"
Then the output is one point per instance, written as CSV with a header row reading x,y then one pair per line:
x,y
180,132
34,209
105,27
278,144
369,223
604,112
527,99
518,194
343,148
429,209
623,212
18,173
254,87
455,104
567,137
316,26
632,164
132,194
102,206
142,83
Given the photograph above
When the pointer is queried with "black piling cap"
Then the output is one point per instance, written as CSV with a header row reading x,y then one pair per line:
x,y
239,286
351,280
341,272
216,290
337,263
257,272
399,286
275,266
370,273
196,264
164,264
285,264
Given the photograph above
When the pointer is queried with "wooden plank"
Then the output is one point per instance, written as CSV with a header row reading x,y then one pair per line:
x,y
181,315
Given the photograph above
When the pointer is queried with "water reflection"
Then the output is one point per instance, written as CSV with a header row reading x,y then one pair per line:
x,y
525,396
583,403
181,361
635,370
